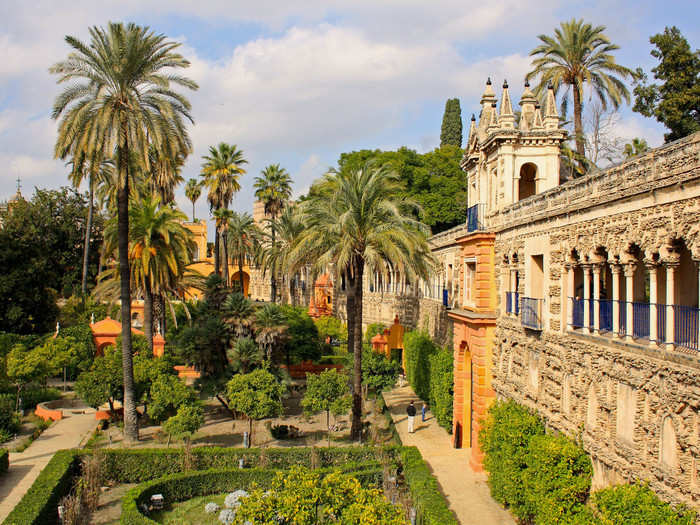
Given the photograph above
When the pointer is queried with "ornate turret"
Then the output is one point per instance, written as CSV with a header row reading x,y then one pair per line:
x,y
506,117
493,124
472,133
551,116
488,99
527,108
537,120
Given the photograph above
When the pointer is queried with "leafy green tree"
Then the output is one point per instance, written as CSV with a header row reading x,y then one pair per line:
x,y
356,223
675,102
188,419
331,328
451,132
257,395
270,329
120,99
104,382
328,392
193,190
579,54
273,189
302,342
24,366
378,372
222,170
168,394
245,354
636,147
372,330
287,227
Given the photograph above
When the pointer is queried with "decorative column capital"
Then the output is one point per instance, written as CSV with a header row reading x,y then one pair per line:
x,y
615,268
596,267
587,267
629,269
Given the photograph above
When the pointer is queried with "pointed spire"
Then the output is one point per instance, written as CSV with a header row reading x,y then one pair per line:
x,y
551,116
472,132
507,118
537,120
527,105
487,100
493,124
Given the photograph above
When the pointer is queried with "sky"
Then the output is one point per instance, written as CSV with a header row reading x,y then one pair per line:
x,y
297,82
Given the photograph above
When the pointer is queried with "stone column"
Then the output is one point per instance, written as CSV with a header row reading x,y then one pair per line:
x,y
653,301
615,269
570,295
629,269
596,298
671,267
586,298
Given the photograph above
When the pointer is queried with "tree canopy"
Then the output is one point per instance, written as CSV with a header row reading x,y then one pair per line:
x,y
451,132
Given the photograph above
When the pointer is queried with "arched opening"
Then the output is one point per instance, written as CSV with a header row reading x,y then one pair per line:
x,y
236,283
669,452
592,409
527,185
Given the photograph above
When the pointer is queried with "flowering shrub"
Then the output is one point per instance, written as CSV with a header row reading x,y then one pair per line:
x,y
227,516
233,499
211,508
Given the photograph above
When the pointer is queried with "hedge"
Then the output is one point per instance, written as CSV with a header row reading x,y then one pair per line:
x,y
4,460
39,504
431,506
418,347
637,505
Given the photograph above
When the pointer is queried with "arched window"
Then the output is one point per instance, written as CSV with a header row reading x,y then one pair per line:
x,y
527,185
669,451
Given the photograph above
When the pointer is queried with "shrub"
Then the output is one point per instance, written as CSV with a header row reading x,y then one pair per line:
x,y
638,505
211,508
187,421
39,504
442,387
372,330
505,440
9,419
4,460
303,342
378,372
418,348
557,479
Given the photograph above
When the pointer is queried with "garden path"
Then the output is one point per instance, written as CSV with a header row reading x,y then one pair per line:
x,y
25,466
466,491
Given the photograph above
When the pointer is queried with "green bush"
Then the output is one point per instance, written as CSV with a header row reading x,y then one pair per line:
x,y
378,372
638,505
372,330
4,460
505,440
430,504
418,348
557,479
39,504
442,387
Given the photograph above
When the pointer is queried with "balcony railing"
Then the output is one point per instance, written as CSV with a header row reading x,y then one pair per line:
x,y
531,313
686,326
475,217
512,303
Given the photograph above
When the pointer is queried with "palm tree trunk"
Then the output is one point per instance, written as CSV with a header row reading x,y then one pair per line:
x,y
240,274
217,249
193,219
224,238
356,287
273,281
578,124
148,315
88,232
131,428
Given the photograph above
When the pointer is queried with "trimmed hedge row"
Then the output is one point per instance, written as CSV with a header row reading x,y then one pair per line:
x,y
136,466
431,505
4,460
39,504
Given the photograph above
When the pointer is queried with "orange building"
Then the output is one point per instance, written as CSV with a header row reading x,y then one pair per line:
x,y
321,303
474,329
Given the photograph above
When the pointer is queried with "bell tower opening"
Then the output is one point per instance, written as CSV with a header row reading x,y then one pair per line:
x,y
527,185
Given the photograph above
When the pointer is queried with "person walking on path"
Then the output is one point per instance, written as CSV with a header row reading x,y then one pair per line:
x,y
423,412
411,411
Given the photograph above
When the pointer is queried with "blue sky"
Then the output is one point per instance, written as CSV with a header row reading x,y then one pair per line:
x,y
297,82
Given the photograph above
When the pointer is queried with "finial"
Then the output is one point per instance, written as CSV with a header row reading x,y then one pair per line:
x,y
537,106
493,104
19,184
550,85
473,117
505,84
527,83
488,81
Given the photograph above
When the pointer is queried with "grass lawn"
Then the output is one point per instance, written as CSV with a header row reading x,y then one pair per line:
x,y
191,512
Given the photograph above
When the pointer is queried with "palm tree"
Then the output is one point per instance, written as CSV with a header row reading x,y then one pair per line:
x,y
288,227
160,249
244,355
270,328
221,170
122,100
193,189
223,217
580,53
356,222
165,173
238,313
273,189
636,147
244,239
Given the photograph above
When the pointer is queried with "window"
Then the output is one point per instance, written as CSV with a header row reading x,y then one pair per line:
x,y
469,282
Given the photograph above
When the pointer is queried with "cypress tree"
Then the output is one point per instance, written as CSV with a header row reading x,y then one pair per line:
x,y
451,133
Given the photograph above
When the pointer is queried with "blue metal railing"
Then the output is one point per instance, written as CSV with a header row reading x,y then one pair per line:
x,y
591,313
577,311
531,313
509,303
640,325
606,315
685,320
660,323
475,217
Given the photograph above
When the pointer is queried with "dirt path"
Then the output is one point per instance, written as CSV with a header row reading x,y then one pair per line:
x,y
466,491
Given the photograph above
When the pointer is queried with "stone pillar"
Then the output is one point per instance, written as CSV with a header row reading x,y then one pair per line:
x,y
629,269
570,295
615,268
653,301
671,267
586,298
596,298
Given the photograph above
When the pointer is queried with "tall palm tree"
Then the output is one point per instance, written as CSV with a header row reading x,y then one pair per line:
x,y
244,239
121,99
356,222
273,189
222,217
244,355
165,173
193,190
270,328
288,227
238,313
580,54
636,147
160,249
221,170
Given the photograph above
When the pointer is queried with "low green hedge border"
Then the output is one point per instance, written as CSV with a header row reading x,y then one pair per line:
x,y
188,485
39,504
4,460
431,505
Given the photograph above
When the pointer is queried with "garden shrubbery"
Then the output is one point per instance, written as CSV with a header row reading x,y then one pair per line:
x,y
545,478
429,370
4,460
